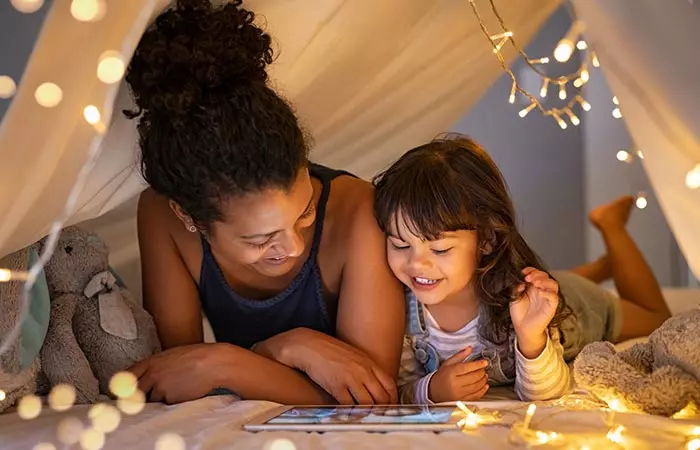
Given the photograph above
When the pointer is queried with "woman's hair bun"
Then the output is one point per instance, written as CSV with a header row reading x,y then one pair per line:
x,y
194,52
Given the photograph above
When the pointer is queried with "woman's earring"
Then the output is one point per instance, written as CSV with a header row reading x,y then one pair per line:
x,y
191,228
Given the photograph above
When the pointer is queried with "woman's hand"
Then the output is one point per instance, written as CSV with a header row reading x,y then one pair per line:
x,y
349,375
183,373
533,310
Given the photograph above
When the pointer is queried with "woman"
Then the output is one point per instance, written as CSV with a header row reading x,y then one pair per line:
x,y
284,257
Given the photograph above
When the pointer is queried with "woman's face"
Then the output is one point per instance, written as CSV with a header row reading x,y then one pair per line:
x,y
265,230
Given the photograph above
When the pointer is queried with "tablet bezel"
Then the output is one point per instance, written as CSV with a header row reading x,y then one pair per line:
x,y
259,422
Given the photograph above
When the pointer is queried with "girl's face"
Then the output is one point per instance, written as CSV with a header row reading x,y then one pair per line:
x,y
433,270
267,230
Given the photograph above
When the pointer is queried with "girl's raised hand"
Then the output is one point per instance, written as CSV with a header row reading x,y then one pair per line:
x,y
535,306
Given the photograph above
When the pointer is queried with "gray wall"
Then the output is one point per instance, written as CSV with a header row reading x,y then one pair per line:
x,y
540,161
18,32
607,178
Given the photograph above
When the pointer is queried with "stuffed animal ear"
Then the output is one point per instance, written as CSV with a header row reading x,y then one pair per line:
x,y
116,318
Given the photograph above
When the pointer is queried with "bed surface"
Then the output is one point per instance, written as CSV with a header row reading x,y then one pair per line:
x,y
215,423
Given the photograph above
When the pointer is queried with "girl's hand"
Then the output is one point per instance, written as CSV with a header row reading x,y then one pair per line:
x,y
533,310
346,373
459,380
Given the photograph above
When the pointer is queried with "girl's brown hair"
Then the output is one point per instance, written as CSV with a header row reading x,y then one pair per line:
x,y
452,184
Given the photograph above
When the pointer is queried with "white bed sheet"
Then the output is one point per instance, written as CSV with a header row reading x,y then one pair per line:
x,y
215,423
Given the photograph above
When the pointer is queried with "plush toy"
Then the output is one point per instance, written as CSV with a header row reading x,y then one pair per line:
x,y
15,381
659,377
96,329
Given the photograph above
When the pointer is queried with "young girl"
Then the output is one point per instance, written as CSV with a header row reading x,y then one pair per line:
x,y
482,310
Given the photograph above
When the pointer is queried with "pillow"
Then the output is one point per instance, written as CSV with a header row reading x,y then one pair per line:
x,y
37,321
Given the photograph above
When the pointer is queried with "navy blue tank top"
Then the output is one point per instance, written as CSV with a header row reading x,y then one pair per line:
x,y
243,322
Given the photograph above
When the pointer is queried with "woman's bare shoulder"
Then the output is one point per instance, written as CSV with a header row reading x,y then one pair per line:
x,y
158,223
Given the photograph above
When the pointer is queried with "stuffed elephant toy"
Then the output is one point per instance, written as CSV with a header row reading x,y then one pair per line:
x,y
661,376
96,328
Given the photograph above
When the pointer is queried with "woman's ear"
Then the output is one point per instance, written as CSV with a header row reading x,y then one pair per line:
x,y
183,216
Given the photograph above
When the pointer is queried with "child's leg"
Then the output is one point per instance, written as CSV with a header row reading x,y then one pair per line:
x,y
643,305
597,271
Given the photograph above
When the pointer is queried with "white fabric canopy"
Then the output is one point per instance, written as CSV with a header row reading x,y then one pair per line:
x,y
648,52
368,79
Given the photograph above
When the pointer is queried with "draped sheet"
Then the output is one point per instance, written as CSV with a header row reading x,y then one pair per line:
x,y
648,53
369,80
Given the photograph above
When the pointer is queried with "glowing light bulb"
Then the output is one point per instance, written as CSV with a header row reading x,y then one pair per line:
x,y
111,67
69,430
513,88
578,83
88,10
92,439
44,446
544,60
641,201
616,435
29,407
585,76
640,154
48,95
280,444
528,416
27,6
581,45
622,156
562,91
105,418
91,114
5,276
523,112
560,121
62,397
595,61
617,113
575,121
693,444
2,393
615,100
170,441
133,404
545,86
692,179
7,87
564,50
123,384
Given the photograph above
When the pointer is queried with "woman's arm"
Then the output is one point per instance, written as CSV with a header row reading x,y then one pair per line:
x,y
371,310
169,292
171,296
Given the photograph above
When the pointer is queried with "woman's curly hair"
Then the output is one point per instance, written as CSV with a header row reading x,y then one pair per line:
x,y
209,125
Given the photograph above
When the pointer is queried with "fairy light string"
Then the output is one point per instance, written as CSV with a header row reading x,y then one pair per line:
x,y
580,77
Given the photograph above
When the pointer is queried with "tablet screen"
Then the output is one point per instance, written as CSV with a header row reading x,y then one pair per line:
x,y
338,415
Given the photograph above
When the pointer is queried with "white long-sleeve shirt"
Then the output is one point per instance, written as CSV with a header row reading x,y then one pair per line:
x,y
542,378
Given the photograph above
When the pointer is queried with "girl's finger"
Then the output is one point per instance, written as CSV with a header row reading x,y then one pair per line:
x,y
547,285
528,270
536,275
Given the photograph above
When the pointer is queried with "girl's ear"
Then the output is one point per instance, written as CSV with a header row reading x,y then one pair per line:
x,y
487,242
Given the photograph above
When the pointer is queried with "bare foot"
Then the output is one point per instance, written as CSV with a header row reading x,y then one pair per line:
x,y
612,215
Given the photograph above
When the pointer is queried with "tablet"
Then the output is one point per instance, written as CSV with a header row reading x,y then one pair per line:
x,y
358,418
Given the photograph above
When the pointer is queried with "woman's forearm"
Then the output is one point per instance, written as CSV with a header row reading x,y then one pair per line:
x,y
254,377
